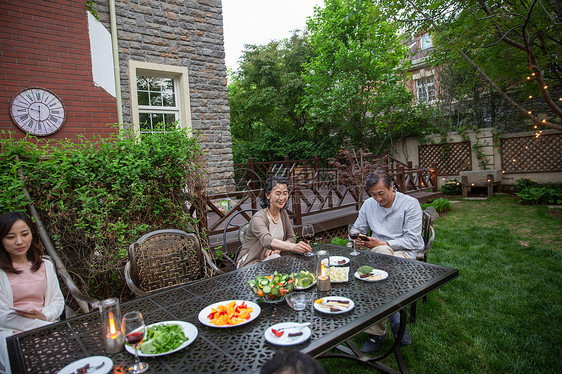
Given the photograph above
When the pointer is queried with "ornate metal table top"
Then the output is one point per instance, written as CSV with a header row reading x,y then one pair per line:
x,y
241,348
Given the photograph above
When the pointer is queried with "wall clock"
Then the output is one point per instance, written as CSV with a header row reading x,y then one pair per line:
x,y
37,111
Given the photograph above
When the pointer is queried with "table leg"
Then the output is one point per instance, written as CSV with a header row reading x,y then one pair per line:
x,y
353,353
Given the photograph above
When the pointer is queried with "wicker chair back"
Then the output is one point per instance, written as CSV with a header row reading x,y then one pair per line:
x,y
165,258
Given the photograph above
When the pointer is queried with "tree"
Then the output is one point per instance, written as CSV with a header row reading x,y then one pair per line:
x,y
265,96
509,43
355,87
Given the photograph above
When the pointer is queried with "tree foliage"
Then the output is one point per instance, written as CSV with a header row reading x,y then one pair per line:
x,y
355,87
264,98
96,197
509,44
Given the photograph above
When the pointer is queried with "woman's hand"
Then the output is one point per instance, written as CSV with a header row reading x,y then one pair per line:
x,y
302,247
35,314
272,252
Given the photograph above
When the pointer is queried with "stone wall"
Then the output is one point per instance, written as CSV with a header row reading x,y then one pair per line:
x,y
185,33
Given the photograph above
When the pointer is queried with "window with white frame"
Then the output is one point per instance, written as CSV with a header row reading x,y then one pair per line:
x,y
426,89
426,41
159,97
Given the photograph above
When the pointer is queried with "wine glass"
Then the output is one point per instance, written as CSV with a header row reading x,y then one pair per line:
x,y
353,234
298,301
134,331
308,235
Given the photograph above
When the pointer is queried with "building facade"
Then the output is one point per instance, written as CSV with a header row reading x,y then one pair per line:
x,y
171,68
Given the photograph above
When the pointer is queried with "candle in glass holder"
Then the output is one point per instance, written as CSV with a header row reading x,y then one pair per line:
x,y
111,329
323,271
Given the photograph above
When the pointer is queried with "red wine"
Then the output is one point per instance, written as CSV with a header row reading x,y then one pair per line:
x,y
308,236
354,236
134,338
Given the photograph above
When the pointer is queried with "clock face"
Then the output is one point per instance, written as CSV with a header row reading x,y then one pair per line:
x,y
37,111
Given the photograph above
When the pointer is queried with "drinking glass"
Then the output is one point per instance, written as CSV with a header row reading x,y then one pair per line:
x,y
353,234
298,301
308,235
134,331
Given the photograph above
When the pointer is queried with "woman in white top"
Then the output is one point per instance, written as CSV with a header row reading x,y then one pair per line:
x,y
30,295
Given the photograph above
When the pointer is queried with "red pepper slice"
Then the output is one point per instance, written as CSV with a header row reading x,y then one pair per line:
x,y
277,333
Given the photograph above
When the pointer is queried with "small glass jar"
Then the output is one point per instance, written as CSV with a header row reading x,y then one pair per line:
x,y
111,325
322,263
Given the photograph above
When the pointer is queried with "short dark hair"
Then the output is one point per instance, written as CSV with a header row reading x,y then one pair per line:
x,y
268,186
292,362
35,251
377,176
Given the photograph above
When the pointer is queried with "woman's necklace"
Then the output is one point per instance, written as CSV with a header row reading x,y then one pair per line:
x,y
271,216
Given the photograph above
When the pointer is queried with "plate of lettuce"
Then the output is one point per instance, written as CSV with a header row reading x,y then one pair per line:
x,y
164,338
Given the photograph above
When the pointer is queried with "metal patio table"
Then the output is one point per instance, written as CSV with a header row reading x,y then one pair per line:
x,y
240,349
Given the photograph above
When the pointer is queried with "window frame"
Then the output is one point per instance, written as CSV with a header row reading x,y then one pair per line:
x,y
423,84
180,76
426,42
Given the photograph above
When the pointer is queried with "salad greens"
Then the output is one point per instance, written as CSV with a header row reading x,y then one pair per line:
x,y
366,269
162,338
272,287
304,278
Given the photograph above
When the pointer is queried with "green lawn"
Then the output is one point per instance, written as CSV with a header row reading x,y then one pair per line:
x,y
503,314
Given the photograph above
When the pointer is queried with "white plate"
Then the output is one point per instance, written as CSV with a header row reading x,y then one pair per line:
x,y
285,339
93,361
383,275
335,261
326,309
306,288
207,310
343,274
189,330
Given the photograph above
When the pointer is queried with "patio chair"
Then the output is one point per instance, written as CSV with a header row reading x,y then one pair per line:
x,y
166,258
235,222
428,234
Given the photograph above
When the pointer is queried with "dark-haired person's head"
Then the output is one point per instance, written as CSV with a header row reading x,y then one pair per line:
x,y
270,187
18,240
378,176
292,362
381,187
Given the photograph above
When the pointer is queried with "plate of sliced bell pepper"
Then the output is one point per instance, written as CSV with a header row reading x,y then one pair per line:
x,y
230,313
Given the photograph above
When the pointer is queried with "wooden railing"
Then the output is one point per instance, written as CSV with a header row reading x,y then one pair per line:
x,y
312,189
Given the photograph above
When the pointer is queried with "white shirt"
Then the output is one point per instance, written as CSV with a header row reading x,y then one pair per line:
x,y
400,225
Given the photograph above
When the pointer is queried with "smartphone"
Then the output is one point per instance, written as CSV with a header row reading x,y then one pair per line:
x,y
365,238
20,310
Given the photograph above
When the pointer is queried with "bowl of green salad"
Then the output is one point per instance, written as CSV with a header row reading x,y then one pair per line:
x,y
272,288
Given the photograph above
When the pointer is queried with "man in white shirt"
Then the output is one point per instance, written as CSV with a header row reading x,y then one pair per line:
x,y
395,222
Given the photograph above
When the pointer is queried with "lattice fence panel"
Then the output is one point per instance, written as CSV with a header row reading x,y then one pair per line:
x,y
328,235
532,154
450,158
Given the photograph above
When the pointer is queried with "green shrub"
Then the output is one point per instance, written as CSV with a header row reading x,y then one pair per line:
x,y
540,195
524,183
96,197
339,241
441,205
451,187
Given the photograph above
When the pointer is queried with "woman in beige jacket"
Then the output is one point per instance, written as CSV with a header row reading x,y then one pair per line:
x,y
270,230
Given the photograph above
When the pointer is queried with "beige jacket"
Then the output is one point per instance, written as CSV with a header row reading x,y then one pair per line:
x,y
258,238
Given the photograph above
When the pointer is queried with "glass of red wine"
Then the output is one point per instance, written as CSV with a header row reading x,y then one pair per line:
x,y
353,234
308,235
134,330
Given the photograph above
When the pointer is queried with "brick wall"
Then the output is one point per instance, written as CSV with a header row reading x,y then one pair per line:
x,y
45,44
182,33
